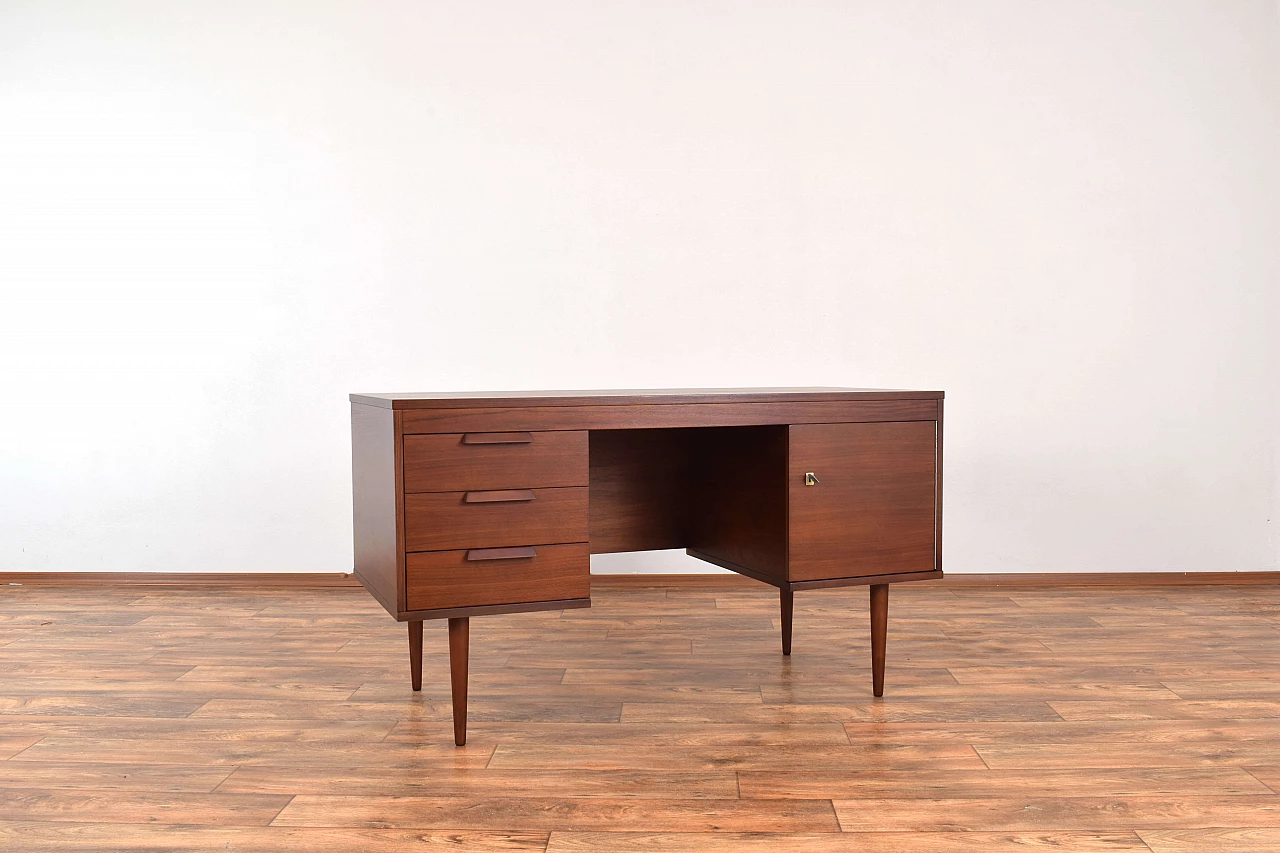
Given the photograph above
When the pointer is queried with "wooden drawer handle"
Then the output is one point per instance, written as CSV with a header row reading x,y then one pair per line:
x,y
498,438
498,496
500,554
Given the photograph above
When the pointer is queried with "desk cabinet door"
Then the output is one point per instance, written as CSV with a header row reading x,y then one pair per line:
x,y
872,509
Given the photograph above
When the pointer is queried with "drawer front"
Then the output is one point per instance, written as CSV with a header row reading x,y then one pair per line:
x,y
440,521
443,579
455,462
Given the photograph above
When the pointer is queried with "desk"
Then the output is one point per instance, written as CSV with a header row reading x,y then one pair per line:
x,y
479,504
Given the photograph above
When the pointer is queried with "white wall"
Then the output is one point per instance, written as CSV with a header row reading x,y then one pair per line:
x,y
218,219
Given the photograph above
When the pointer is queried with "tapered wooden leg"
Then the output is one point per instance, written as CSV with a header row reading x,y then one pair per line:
x,y
415,653
879,634
788,598
458,642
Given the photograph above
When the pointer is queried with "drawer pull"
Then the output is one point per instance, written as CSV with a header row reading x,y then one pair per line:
x,y
498,496
498,438
500,554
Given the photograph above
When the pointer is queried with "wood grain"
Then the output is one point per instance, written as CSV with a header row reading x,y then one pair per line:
x,y
115,806
664,718
872,512
243,580
375,491
444,463
845,842
1023,813
640,495
475,784
83,837
633,396
739,492
1218,840
444,521
443,579
526,813
670,416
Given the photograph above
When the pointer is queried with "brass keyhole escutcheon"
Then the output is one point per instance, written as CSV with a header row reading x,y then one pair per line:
x,y
810,478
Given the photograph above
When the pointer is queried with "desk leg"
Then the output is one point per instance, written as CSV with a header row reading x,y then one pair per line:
x,y
458,641
787,598
415,653
879,634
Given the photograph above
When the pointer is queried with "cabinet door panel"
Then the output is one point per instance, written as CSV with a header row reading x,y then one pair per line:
x,y
872,510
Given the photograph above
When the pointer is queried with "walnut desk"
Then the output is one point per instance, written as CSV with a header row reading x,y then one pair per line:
x,y
476,504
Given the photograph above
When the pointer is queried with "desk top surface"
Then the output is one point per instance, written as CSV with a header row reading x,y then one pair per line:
x,y
644,396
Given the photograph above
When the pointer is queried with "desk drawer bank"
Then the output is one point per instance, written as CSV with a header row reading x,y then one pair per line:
x,y
482,504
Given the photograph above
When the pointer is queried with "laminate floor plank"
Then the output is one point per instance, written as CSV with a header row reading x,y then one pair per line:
x,y
1026,814
664,718
34,657
1244,674
496,708
126,776
189,728
83,671
475,783
94,617
523,814
179,838
1245,688
776,675
120,806
676,735
987,733
846,842
883,756
165,689
848,784
948,689
1068,756
929,713
1211,709
579,692
1214,840
141,704
199,752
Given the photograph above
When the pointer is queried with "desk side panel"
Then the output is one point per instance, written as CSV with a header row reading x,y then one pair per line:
x,y
666,416
937,499
375,491
738,517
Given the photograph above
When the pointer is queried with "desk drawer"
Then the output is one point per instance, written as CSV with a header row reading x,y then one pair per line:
x,y
443,579
455,462
440,521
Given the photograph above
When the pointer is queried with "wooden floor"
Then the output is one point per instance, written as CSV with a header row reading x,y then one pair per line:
x,y
1065,719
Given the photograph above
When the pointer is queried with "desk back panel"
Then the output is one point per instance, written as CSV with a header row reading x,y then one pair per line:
x,y
721,491
640,489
